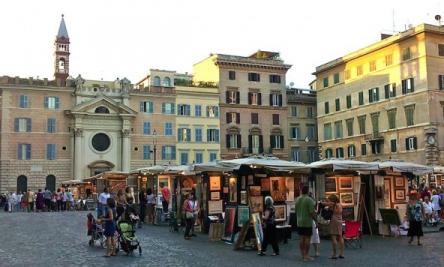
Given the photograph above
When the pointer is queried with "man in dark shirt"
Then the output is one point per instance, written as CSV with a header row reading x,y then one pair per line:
x,y
142,205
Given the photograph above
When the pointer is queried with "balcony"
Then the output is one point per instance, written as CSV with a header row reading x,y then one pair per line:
x,y
373,137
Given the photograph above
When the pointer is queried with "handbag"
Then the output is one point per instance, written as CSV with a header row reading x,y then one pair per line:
x,y
189,215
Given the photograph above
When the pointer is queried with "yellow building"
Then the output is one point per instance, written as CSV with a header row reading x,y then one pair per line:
x,y
385,101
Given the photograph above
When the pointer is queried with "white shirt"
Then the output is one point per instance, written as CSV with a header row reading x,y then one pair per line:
x,y
435,202
428,207
103,197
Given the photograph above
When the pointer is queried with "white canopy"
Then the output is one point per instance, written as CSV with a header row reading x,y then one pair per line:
x,y
438,169
151,169
266,162
401,166
344,164
71,182
172,169
211,166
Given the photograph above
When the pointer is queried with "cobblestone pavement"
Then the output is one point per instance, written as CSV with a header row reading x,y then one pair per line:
x,y
59,239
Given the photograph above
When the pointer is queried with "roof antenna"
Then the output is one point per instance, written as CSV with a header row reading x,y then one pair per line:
x,y
393,18
438,19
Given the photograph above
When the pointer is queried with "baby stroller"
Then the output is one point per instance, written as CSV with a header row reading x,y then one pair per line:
x,y
128,241
96,231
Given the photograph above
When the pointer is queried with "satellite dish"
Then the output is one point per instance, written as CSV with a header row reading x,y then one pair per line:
x,y
291,84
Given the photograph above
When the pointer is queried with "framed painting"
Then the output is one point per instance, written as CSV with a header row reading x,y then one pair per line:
x,y
280,213
387,193
215,207
256,204
230,214
289,184
214,183
243,182
215,195
232,189
250,179
399,195
243,215
258,232
399,181
265,184
348,213
255,190
347,199
330,185
277,188
345,183
243,197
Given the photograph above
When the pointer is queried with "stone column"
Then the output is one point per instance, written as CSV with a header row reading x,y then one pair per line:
x,y
78,136
126,150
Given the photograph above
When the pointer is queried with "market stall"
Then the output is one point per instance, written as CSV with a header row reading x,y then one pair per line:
x,y
112,180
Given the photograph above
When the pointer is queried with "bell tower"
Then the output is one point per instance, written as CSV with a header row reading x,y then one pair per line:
x,y
61,55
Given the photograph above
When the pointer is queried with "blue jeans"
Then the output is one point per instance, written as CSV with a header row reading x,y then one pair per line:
x,y
99,210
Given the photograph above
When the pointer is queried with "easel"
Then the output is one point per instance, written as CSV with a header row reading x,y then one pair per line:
x,y
363,208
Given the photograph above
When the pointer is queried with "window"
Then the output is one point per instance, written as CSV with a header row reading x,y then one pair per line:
x,y
275,119
168,128
23,125
337,104
231,75
183,158
361,98
24,101
441,82
441,50
409,114
311,132
197,110
101,142
326,108
232,97
347,74
390,90
336,78
328,153
212,111
339,152
312,154
52,102
183,135
349,124
363,149
406,54
51,125
375,122
146,128
359,70
327,131
361,122
198,134
351,151
408,86
146,152
295,132
294,111
24,151
373,95
411,143
349,101
338,129
276,100
275,78
309,112
213,156
213,135
277,141
388,60
50,151
254,118
255,144
391,117
234,141
233,117
325,81
295,154
168,108
146,107
372,66
183,110
376,148
198,157
167,82
156,81
101,110
393,145
254,77
168,152
254,98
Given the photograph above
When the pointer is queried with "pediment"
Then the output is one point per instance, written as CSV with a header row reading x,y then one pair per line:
x,y
106,105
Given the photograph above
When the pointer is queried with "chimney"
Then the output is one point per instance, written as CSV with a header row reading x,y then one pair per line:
x,y
385,36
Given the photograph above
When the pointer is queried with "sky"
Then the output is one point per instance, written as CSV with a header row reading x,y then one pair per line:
x,y
126,38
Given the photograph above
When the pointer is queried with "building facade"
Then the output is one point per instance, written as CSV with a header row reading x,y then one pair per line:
x,y
385,101
252,102
301,120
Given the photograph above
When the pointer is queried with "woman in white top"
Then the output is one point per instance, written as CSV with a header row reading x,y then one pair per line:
x,y
435,205
428,209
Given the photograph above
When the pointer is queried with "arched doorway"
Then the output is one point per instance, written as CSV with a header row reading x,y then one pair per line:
x,y
100,166
22,183
51,182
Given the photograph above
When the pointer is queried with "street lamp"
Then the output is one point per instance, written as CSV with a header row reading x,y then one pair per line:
x,y
154,146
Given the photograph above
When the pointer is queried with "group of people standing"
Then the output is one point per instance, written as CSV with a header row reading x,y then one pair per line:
x,y
43,200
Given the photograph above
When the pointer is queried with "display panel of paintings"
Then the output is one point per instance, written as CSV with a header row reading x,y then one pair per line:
x,y
214,183
330,185
256,204
280,213
232,190
230,214
346,199
258,232
243,215
277,188
345,183
265,184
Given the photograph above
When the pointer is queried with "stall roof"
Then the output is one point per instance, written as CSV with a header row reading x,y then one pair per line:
x,y
402,166
210,167
438,169
167,169
151,169
71,182
344,164
272,163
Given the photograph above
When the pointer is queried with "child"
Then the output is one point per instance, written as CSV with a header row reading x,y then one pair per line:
x,y
90,224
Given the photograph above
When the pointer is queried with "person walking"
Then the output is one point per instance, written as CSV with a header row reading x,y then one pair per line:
x,y
121,203
102,202
64,199
12,198
31,196
305,214
337,241
269,228
142,206
18,203
188,210
415,215
47,195
40,201
315,240
110,226
436,207
24,202
166,194
151,203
